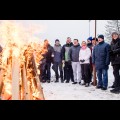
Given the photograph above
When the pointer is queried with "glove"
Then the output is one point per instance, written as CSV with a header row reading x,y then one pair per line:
x,y
82,61
115,51
111,52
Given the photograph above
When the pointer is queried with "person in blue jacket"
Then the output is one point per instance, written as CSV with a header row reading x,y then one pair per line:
x,y
101,59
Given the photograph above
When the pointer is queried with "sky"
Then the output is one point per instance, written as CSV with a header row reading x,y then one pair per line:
x,y
61,29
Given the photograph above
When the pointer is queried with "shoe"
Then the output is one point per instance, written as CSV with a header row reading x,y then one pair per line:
x,y
48,81
115,90
92,83
112,86
79,83
67,81
103,88
56,81
87,85
84,83
99,87
74,83
62,81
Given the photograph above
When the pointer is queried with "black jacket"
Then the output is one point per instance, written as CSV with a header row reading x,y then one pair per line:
x,y
65,51
49,53
115,52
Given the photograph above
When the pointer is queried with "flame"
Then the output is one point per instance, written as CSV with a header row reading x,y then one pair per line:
x,y
19,43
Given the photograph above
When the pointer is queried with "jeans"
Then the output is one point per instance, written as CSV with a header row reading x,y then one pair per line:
x,y
102,75
57,65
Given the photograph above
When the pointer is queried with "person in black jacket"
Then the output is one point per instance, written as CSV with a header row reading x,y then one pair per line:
x,y
68,71
115,61
49,59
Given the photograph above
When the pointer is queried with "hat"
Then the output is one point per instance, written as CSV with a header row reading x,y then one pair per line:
x,y
57,40
101,36
94,39
90,38
114,33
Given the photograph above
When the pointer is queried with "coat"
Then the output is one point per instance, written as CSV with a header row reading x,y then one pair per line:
x,y
101,57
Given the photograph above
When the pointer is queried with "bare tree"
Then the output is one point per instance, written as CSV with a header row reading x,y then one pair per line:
x,y
112,26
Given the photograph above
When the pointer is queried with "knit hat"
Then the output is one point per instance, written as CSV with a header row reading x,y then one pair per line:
x,y
114,33
94,39
56,40
90,38
101,36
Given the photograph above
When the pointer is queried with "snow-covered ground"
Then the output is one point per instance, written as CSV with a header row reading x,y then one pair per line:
x,y
68,91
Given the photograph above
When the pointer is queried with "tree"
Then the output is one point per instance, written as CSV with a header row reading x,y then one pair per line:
x,y
112,26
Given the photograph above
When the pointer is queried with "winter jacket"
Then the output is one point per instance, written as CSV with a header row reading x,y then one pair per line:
x,y
74,53
57,53
65,51
85,55
100,56
115,52
49,54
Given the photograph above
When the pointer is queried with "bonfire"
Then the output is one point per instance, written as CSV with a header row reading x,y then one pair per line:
x,y
19,61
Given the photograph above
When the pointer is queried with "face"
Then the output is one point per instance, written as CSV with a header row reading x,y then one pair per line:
x,y
115,36
84,44
68,40
100,40
88,41
46,43
93,42
57,43
75,42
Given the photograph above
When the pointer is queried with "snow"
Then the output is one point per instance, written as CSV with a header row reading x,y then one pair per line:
x,y
68,91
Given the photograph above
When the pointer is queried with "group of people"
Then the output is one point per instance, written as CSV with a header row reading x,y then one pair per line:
x,y
76,62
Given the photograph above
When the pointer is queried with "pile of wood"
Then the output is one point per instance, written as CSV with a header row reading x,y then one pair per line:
x,y
19,79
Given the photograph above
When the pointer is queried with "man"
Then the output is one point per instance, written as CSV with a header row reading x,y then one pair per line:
x,y
58,60
49,60
115,61
74,57
89,42
101,60
68,71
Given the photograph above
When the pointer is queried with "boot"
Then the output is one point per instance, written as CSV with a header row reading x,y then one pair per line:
x,y
115,90
87,85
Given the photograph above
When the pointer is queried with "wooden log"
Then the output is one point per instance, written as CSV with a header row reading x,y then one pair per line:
x,y
25,84
15,79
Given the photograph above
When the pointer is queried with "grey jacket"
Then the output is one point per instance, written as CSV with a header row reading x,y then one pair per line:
x,y
74,53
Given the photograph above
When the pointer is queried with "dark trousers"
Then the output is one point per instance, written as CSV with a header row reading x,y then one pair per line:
x,y
68,72
86,73
47,72
42,69
57,65
116,69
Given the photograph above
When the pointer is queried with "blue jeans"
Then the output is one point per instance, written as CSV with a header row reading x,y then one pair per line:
x,y
102,75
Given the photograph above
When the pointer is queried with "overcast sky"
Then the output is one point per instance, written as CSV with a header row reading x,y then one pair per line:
x,y
61,29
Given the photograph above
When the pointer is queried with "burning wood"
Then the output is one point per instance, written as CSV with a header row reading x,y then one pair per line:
x,y
19,67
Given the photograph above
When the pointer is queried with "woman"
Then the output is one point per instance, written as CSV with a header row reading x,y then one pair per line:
x,y
84,57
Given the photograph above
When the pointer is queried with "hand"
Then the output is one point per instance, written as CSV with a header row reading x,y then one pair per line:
x,y
52,55
63,61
